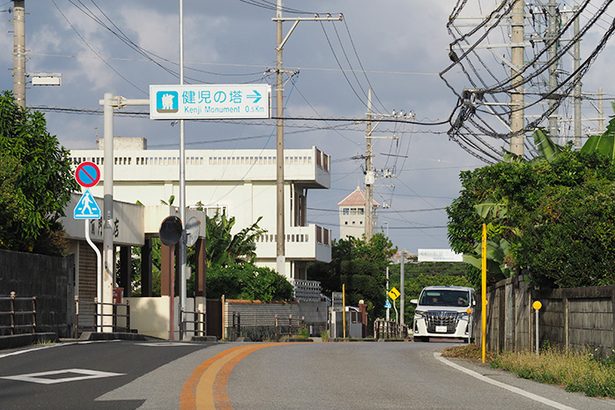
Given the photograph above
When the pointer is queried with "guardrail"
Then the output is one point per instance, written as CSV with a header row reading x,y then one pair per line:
x,y
13,313
198,323
388,329
114,315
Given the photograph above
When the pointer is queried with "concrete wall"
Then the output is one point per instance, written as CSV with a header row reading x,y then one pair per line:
x,y
49,278
574,318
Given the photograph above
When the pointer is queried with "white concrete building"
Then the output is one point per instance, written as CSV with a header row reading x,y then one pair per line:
x,y
240,182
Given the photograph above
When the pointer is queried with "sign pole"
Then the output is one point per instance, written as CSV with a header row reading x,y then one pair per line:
x,y
483,297
182,187
98,274
344,310
537,306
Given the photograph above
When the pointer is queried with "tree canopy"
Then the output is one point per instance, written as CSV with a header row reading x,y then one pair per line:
x,y
552,219
361,265
35,181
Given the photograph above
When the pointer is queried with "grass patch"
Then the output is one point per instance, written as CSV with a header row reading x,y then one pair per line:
x,y
469,352
575,371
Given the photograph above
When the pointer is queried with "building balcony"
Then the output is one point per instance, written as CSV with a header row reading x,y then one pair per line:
x,y
310,167
310,242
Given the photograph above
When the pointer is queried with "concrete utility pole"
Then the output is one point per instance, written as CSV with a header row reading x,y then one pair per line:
x,y
182,184
369,172
552,29
19,52
578,127
517,99
106,282
280,42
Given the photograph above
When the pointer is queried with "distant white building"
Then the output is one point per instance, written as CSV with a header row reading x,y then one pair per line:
x,y
241,183
352,214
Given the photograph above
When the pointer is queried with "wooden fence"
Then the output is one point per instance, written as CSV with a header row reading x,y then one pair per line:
x,y
572,318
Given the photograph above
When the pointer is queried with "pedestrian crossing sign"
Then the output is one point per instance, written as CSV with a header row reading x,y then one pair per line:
x,y
86,208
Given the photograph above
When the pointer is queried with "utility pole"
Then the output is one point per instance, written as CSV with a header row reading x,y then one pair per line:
x,y
280,42
182,186
578,128
552,29
517,99
19,52
600,110
108,272
369,172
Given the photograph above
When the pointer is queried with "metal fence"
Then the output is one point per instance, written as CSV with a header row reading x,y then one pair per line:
x,y
120,322
197,325
282,327
388,329
20,316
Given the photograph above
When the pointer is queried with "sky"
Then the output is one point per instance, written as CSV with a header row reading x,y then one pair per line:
x,y
396,47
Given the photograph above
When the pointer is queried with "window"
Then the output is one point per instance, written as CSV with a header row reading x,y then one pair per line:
x,y
345,211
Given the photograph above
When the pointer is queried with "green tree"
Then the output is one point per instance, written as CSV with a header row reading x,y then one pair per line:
x,y
361,266
550,218
35,181
246,281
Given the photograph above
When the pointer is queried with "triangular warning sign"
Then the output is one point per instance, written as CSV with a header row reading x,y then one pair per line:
x,y
86,208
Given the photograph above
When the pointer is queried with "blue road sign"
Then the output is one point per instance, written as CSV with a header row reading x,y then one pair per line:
x,y
387,304
86,208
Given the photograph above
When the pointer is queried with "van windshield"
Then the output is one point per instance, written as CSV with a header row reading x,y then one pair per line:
x,y
445,297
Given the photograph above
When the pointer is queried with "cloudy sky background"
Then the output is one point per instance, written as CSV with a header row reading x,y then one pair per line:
x,y
402,45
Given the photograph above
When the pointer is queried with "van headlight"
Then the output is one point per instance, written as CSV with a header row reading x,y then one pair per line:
x,y
419,314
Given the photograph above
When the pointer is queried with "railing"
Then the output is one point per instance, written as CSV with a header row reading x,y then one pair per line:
x,y
388,329
13,313
283,326
198,323
306,290
114,315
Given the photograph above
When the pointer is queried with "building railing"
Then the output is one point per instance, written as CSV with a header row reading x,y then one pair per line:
x,y
18,317
306,290
322,235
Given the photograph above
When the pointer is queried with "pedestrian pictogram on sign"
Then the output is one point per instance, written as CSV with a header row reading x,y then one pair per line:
x,y
394,293
87,174
86,208
387,304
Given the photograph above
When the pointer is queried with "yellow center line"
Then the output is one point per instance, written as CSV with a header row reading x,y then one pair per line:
x,y
207,387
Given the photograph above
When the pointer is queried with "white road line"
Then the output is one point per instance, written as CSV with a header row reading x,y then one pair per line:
x,y
505,386
83,374
26,351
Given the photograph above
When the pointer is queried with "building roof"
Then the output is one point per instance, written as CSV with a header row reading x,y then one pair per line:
x,y
356,198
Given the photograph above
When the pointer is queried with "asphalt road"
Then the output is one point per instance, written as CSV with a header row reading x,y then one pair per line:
x,y
130,375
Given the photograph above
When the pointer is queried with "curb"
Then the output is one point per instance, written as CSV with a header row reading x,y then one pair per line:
x,y
12,341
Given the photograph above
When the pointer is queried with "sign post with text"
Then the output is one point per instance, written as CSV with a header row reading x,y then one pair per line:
x,y
209,101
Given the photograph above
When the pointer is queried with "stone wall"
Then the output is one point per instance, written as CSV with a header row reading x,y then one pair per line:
x,y
49,278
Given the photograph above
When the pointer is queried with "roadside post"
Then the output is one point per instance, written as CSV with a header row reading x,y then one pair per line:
x,y
483,296
537,306
344,310
87,175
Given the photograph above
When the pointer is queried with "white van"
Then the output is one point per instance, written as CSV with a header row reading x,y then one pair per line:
x,y
444,311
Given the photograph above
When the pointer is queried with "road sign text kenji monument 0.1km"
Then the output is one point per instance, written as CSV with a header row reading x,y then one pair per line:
x,y
209,101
